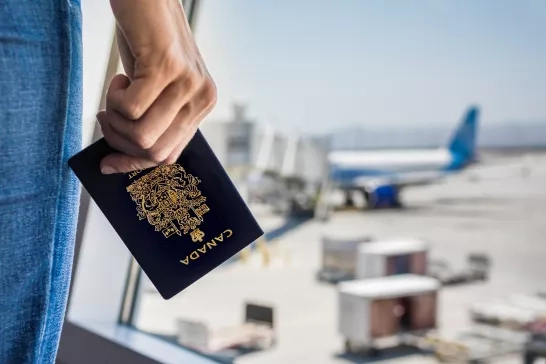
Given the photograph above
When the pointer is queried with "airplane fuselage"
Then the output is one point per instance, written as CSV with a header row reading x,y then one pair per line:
x,y
392,161
399,166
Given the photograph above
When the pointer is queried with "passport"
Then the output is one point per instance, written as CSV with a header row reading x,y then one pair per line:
x,y
179,221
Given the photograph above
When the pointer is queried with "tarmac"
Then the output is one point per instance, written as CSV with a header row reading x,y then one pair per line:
x,y
497,207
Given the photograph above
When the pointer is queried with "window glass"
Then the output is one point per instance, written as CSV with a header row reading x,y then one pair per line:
x,y
396,147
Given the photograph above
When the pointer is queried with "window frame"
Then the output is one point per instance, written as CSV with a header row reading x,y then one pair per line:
x,y
105,278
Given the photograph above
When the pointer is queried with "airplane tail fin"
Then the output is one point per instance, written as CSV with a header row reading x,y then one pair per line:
x,y
463,141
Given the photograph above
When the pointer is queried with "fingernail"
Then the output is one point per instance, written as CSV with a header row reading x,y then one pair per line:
x,y
107,170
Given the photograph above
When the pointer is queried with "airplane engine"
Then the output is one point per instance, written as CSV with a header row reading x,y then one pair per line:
x,y
383,197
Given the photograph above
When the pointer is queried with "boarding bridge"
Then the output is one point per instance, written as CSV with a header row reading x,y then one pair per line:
x,y
292,156
289,169
266,164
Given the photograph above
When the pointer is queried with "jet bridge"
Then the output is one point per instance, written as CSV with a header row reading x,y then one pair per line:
x,y
288,171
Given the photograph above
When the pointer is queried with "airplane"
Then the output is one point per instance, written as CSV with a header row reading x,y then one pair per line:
x,y
381,175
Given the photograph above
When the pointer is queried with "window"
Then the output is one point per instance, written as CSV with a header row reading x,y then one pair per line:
x,y
392,152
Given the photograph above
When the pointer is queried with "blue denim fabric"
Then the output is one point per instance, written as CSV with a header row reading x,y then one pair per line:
x,y
40,128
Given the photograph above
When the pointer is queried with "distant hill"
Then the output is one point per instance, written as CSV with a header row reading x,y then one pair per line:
x,y
520,135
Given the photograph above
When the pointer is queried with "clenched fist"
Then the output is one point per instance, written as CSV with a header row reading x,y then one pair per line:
x,y
153,112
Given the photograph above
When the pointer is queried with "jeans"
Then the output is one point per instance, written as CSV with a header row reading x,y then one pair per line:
x,y
40,128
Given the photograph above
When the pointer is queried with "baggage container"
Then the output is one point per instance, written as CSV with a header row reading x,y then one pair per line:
x,y
391,257
339,258
372,309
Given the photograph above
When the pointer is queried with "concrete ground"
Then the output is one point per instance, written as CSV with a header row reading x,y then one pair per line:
x,y
498,207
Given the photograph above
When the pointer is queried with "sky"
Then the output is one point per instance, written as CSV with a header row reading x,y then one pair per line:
x,y
317,65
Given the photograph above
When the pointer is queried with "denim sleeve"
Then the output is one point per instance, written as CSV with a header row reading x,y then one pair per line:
x,y
40,128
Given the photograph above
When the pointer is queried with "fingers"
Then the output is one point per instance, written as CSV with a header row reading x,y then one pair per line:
x,y
175,154
181,130
121,163
168,146
158,117
114,139
136,96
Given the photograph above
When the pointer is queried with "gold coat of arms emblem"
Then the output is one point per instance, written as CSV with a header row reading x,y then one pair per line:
x,y
169,198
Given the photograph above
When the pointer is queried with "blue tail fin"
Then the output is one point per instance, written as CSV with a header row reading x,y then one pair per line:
x,y
463,141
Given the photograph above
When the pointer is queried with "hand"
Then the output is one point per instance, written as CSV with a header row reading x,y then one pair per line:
x,y
153,112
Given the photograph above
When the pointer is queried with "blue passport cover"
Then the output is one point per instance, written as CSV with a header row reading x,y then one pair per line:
x,y
179,221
